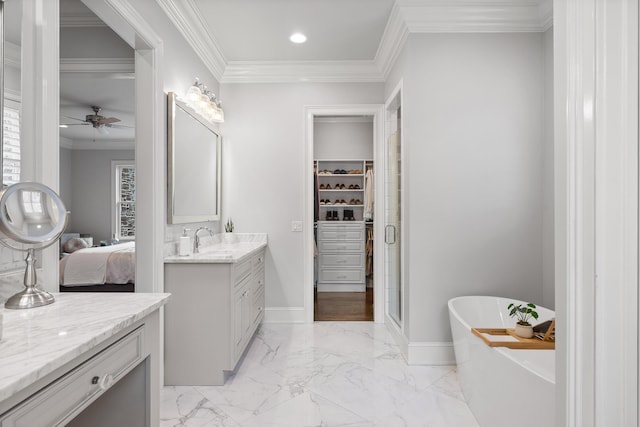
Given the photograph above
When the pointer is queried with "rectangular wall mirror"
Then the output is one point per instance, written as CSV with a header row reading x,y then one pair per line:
x,y
193,165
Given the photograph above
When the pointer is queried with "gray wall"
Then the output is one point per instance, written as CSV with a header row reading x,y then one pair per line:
x,y
342,140
66,177
263,154
90,178
548,250
473,162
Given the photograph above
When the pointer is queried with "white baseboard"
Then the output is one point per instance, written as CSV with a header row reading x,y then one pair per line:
x,y
430,353
284,315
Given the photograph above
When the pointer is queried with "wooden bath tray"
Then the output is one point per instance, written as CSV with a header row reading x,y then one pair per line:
x,y
520,344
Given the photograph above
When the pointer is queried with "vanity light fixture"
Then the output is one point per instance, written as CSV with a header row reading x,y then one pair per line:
x,y
205,102
298,38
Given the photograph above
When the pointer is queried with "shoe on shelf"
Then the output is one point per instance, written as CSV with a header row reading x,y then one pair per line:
x,y
358,202
329,215
351,187
336,172
356,187
348,215
342,171
335,216
321,187
342,186
352,201
327,187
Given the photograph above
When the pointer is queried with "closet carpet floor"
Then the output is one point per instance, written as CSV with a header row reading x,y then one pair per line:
x,y
323,374
351,306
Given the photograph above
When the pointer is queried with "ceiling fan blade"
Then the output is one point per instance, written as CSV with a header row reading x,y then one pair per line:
x,y
76,124
73,118
108,120
119,126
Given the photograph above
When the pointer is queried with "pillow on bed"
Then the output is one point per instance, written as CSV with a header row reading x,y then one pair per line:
x,y
74,244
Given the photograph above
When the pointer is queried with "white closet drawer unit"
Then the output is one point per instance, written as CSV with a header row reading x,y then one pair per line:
x,y
353,232
341,257
341,260
340,246
65,398
342,275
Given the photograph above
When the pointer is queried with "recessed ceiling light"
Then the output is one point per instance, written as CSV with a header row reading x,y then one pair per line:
x,y
298,38
64,126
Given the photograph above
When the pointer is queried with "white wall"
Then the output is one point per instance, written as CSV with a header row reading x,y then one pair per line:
x,y
263,154
336,140
90,204
473,162
92,42
548,251
66,177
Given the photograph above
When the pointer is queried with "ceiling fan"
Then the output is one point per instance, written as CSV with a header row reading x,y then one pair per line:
x,y
97,121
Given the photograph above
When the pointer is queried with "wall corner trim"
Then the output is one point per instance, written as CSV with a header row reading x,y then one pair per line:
x,y
430,353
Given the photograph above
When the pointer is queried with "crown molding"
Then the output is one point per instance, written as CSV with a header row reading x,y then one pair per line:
x,y
472,17
185,15
407,16
112,67
72,144
393,39
301,71
70,20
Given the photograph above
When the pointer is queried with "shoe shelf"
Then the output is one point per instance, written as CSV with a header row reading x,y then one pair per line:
x,y
334,173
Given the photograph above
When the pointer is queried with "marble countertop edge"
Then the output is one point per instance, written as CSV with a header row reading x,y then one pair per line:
x,y
25,363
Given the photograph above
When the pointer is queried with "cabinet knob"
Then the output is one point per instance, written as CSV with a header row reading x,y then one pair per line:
x,y
103,382
260,259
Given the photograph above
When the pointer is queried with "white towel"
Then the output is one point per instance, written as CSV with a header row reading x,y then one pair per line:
x,y
368,195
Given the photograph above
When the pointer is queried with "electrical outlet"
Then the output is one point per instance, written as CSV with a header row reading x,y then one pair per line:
x,y
296,226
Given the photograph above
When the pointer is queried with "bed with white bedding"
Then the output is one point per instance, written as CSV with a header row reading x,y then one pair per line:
x,y
99,269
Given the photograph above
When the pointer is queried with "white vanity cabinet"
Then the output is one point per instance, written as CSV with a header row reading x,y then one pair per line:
x,y
83,361
215,309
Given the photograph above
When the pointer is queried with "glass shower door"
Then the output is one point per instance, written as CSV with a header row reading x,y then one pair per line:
x,y
393,223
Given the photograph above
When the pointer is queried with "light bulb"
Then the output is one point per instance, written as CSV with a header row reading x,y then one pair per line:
x,y
194,92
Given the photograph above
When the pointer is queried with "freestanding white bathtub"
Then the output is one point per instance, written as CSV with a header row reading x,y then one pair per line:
x,y
503,387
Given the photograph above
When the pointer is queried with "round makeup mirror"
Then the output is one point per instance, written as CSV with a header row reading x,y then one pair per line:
x,y
32,216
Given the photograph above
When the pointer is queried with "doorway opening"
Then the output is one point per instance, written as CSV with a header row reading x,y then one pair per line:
x,y
343,259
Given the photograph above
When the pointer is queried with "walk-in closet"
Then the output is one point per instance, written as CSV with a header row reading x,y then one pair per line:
x,y
343,228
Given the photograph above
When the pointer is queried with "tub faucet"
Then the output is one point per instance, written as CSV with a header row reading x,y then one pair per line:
x,y
196,239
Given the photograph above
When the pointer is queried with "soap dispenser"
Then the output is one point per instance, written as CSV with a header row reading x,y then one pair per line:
x,y
184,243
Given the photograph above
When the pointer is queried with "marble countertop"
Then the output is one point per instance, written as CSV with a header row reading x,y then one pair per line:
x,y
37,341
216,251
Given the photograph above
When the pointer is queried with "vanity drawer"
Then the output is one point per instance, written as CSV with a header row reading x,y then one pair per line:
x,y
259,280
62,400
241,271
341,275
333,247
258,308
258,261
342,260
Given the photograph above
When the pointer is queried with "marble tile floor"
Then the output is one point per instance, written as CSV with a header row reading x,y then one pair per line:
x,y
348,374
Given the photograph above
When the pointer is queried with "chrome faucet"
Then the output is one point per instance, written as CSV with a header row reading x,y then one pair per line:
x,y
196,239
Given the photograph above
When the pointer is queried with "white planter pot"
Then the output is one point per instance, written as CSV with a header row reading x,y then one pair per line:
x,y
524,331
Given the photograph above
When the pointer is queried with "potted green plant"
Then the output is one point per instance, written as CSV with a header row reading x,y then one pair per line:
x,y
523,312
228,232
